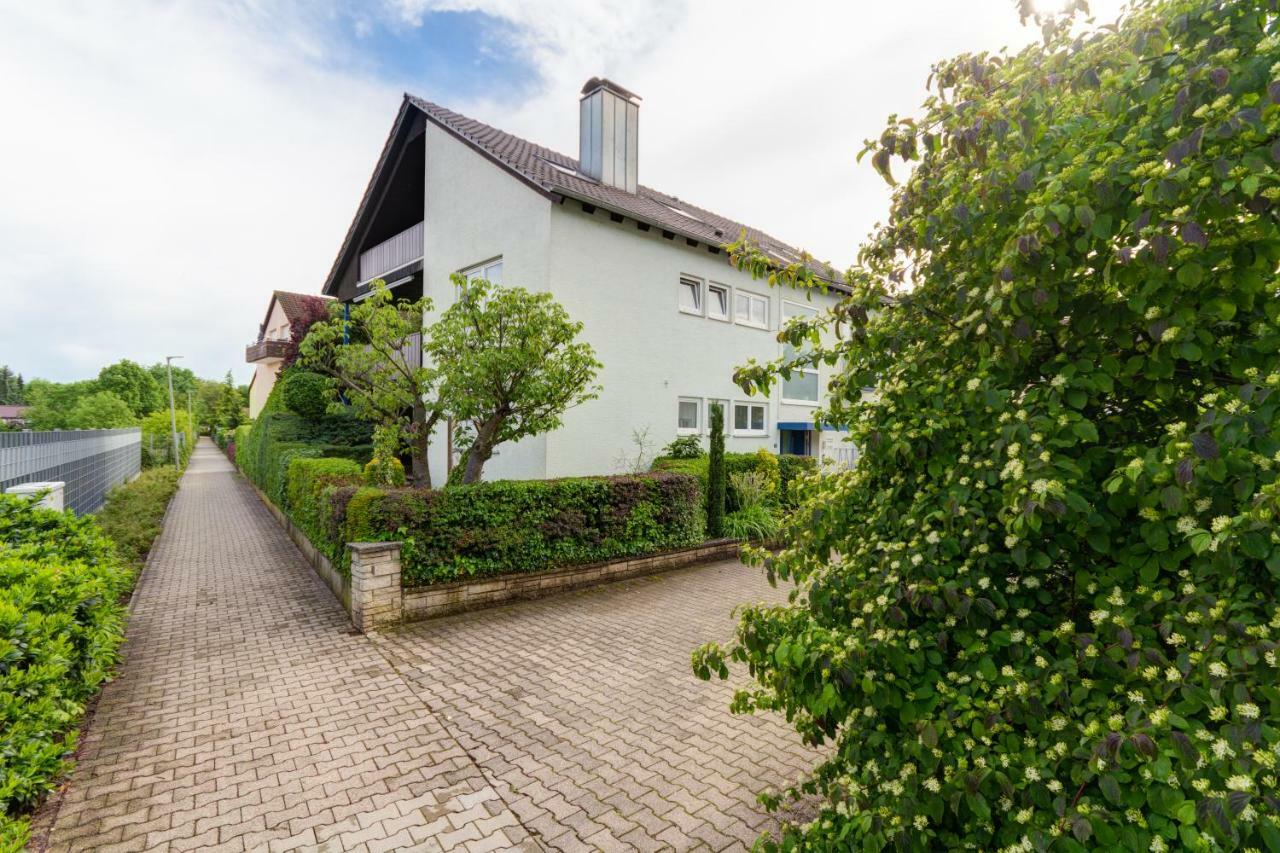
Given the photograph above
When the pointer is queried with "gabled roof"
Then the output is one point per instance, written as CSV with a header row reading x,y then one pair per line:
x,y
292,304
556,176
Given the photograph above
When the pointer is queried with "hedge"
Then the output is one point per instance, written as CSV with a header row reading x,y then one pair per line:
x,y
517,526
309,484
265,449
787,469
134,511
61,625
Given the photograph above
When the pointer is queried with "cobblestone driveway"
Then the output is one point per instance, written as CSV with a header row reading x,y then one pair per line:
x,y
247,716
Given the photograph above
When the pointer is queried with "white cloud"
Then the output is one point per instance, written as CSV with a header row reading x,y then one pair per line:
x,y
164,167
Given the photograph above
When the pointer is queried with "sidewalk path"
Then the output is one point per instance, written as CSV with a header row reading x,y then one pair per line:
x,y
247,716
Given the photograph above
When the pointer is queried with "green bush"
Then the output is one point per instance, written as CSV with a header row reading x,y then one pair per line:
x,y
791,469
716,482
1041,612
308,483
514,526
61,625
784,469
756,523
265,449
685,447
134,511
305,393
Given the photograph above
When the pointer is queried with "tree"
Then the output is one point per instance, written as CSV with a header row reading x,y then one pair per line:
x,y
510,365
100,410
1040,612
230,411
52,402
12,392
375,357
311,310
306,393
134,385
184,381
716,475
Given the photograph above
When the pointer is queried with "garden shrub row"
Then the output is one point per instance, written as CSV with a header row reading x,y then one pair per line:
x,y
265,449
516,526
61,625
134,511
783,472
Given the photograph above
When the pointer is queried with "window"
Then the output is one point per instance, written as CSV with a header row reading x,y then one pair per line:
x,y
802,387
748,419
728,415
717,302
688,415
752,310
690,295
490,271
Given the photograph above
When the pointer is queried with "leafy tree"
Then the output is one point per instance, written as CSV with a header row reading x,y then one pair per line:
x,y
716,475
230,411
1041,610
184,381
100,410
376,359
312,310
52,402
510,365
134,385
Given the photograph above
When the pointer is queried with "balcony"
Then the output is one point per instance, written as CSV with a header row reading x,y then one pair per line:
x,y
268,351
390,255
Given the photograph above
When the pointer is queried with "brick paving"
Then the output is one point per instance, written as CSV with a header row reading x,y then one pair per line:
x,y
247,716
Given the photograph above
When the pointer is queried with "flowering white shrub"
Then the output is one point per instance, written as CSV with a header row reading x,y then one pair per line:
x,y
1041,612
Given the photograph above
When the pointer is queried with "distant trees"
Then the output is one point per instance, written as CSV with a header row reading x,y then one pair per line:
x,y
13,391
133,384
100,410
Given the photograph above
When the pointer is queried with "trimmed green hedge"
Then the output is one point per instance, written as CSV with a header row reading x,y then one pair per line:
x,y
61,625
309,485
265,450
515,526
787,470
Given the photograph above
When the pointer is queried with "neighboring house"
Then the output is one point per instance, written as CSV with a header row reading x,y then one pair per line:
x,y
14,417
645,272
275,343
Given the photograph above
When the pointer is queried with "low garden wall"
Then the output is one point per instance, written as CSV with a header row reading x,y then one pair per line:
x,y
393,554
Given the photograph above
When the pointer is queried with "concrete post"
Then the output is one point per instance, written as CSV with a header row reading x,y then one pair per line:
x,y
376,596
53,497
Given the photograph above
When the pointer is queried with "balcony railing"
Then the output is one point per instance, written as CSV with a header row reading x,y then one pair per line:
x,y
401,250
267,350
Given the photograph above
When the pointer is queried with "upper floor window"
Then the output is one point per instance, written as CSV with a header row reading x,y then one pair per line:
x,y
802,387
717,302
690,295
751,309
490,271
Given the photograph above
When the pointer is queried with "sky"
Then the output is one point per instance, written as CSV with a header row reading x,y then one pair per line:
x,y
165,166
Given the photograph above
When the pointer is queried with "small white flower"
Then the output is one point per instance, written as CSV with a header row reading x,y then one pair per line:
x,y
1240,782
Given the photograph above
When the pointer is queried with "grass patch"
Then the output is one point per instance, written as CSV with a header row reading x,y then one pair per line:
x,y
134,511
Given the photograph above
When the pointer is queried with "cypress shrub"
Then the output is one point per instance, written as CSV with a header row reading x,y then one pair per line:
x,y
716,475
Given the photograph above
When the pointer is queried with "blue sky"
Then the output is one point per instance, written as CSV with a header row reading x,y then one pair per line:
x,y
175,162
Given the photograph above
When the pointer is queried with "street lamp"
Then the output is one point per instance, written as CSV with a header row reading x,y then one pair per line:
x,y
173,417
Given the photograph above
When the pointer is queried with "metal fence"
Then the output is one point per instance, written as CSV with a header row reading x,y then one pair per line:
x,y
89,461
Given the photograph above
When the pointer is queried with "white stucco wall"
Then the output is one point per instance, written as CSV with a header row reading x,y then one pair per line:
x,y
623,284
476,211
264,373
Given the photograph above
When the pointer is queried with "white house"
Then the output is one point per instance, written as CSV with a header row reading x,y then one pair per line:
x,y
275,343
667,314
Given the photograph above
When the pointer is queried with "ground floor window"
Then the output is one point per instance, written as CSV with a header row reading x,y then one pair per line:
x,y
748,419
688,415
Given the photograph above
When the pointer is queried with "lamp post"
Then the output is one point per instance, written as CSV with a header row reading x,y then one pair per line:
x,y
173,417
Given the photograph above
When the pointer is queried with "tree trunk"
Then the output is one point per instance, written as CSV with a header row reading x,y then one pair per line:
x,y
419,442
481,449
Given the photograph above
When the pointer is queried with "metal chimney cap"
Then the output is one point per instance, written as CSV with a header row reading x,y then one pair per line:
x,y
605,83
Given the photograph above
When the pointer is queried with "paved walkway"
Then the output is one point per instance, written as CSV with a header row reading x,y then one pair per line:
x,y
248,716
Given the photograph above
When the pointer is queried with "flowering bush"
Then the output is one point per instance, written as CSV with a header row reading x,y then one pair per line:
x,y
1040,613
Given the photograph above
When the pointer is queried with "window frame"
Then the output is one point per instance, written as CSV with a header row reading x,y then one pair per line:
x,y
700,296
749,295
728,302
804,371
728,414
477,270
750,432
697,428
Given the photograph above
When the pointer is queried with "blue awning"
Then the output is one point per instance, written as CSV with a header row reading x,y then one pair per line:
x,y
805,426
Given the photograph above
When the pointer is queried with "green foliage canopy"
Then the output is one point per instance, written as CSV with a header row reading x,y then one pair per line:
x,y
1040,613
133,384
510,365
100,410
